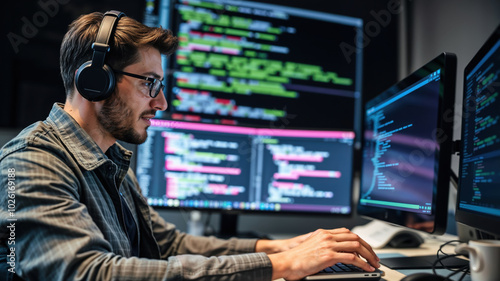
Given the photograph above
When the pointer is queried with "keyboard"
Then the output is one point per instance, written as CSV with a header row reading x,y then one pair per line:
x,y
345,271
340,267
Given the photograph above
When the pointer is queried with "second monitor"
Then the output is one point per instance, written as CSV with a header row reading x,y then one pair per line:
x,y
408,147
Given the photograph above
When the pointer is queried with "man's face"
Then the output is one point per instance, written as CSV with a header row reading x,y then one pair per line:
x,y
126,114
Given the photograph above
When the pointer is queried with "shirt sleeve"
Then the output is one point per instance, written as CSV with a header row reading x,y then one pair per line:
x,y
209,257
57,239
205,256
174,242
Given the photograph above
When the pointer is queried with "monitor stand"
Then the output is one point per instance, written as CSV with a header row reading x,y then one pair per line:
x,y
229,228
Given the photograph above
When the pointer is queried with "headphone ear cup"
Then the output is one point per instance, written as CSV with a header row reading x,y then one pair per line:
x,y
95,83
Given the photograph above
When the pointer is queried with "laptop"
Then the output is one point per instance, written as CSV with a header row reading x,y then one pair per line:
x,y
342,271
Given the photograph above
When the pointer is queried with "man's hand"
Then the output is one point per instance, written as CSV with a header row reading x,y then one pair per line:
x,y
277,246
310,253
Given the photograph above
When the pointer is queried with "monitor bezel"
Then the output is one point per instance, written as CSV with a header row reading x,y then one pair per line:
x,y
480,221
446,62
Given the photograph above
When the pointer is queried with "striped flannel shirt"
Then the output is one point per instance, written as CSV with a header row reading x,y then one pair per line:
x,y
69,223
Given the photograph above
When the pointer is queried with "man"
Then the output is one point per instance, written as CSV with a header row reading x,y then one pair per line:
x,y
75,209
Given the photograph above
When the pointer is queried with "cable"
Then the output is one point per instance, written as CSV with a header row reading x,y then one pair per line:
x,y
439,259
456,149
208,230
454,179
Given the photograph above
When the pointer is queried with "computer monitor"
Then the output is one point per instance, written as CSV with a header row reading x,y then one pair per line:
x,y
258,64
407,149
235,169
478,198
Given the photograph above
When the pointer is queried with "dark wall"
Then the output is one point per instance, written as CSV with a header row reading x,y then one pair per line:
x,y
32,32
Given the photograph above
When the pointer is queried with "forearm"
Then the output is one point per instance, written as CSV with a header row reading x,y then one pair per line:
x,y
268,246
173,242
280,245
251,267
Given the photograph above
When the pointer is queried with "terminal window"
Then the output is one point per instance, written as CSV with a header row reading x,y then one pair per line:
x,y
252,63
481,142
199,165
401,146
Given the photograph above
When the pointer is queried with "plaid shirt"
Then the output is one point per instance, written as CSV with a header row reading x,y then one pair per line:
x,y
69,223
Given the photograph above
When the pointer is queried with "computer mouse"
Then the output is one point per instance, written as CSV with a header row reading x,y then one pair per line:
x,y
406,240
423,277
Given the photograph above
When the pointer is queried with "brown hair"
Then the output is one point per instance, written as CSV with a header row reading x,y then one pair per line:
x,y
128,37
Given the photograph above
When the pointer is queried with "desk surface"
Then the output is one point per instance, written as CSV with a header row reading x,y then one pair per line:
x,y
429,247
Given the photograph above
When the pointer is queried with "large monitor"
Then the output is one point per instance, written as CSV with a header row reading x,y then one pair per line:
x,y
478,199
407,150
246,169
256,64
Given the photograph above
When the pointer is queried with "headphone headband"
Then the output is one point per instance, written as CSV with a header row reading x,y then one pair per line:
x,y
108,26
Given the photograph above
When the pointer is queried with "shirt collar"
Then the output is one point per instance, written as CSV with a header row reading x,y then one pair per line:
x,y
85,150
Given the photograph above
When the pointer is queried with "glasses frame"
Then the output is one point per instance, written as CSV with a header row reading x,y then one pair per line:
x,y
153,81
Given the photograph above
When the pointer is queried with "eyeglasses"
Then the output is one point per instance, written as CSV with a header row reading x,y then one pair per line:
x,y
155,85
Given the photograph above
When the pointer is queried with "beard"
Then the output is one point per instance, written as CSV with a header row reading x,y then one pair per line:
x,y
117,118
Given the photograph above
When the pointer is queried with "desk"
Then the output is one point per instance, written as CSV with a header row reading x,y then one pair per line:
x,y
429,247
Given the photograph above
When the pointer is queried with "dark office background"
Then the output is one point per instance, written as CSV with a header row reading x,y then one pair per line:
x,y
32,32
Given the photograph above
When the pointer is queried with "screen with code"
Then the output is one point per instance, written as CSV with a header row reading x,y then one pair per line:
x,y
256,64
407,149
212,166
400,146
480,137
